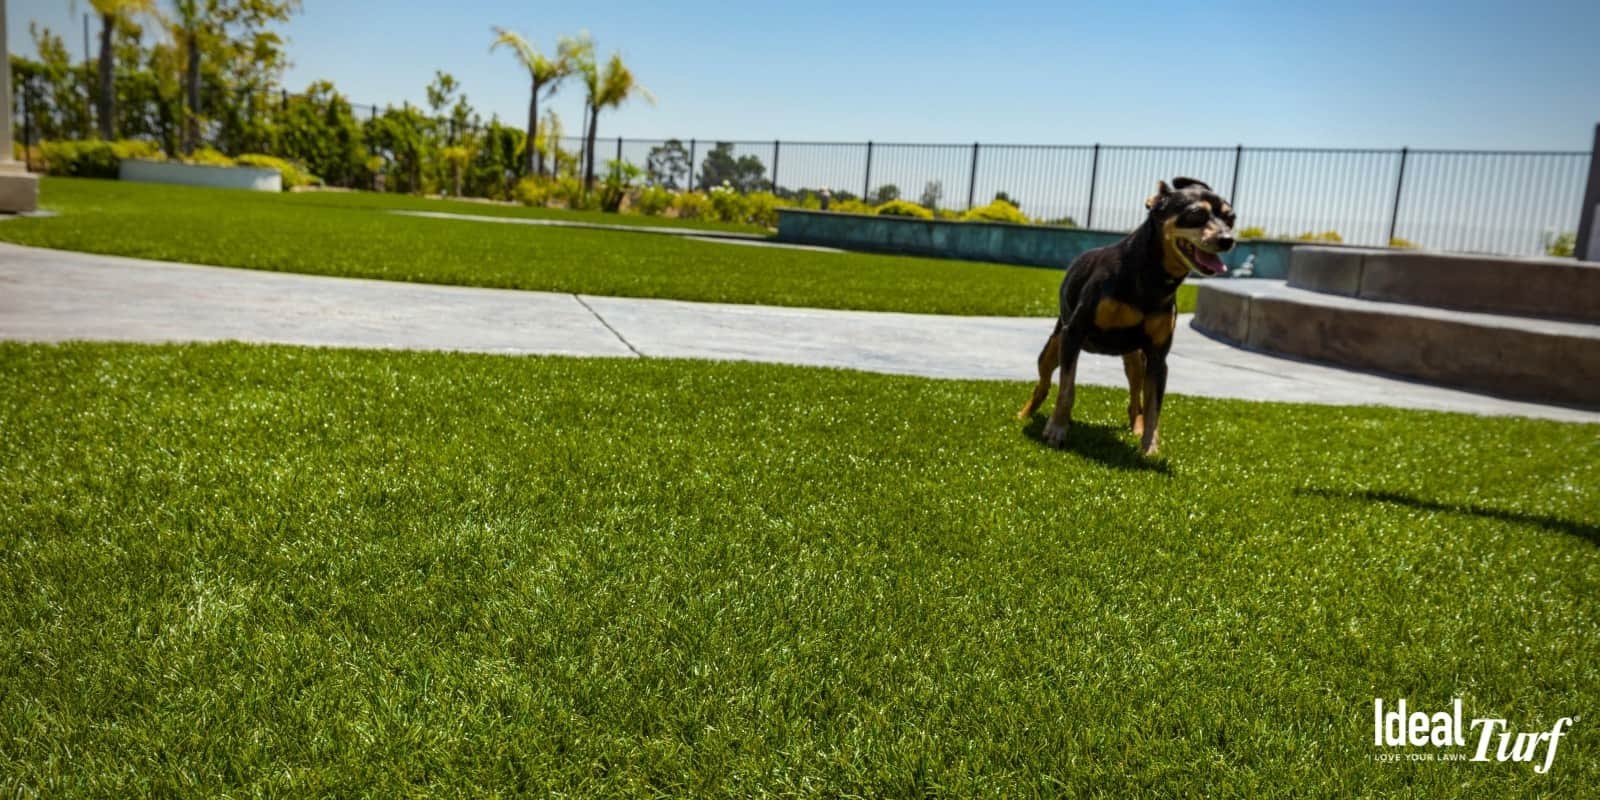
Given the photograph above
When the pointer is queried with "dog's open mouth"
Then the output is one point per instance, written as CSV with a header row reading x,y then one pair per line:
x,y
1203,259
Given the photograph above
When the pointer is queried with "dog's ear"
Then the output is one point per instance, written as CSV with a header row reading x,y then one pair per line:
x,y
1162,190
1184,183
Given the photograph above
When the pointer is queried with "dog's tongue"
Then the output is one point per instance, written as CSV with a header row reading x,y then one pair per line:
x,y
1209,262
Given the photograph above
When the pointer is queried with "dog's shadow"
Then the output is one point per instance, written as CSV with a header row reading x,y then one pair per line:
x,y
1110,445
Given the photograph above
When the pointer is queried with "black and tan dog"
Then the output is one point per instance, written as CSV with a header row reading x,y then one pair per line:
x,y
1121,300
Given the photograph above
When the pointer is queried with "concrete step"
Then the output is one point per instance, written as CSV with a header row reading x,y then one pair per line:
x,y
1546,361
1553,288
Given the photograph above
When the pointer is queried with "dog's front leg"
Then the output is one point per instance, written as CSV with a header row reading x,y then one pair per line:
x,y
1155,392
1055,432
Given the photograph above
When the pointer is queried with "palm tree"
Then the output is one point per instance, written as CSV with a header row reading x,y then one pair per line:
x,y
187,29
609,87
546,75
111,13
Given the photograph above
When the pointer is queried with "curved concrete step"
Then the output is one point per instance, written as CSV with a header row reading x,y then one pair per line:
x,y
1555,288
1534,359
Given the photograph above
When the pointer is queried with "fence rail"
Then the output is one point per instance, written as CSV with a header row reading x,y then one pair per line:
x,y
1507,201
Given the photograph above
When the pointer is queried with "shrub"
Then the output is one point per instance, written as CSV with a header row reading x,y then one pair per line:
x,y
761,208
620,176
691,205
293,174
652,201
850,205
727,205
570,193
1403,244
1253,232
532,192
1325,236
207,157
94,158
997,211
903,208
1560,245
1062,222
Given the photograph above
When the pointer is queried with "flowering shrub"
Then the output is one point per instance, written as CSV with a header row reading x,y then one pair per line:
x,y
997,211
903,208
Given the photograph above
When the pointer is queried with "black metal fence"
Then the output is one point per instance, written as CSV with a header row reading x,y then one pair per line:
x,y
1508,202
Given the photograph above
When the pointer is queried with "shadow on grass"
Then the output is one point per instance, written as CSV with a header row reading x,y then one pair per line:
x,y
1557,524
1110,445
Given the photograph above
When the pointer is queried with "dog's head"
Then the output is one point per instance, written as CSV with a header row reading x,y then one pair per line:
x,y
1196,225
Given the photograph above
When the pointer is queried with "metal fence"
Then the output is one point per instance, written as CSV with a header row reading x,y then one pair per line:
x,y
1506,202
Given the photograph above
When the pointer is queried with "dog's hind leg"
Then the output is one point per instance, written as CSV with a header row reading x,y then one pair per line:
x,y
1049,359
1133,367
1072,336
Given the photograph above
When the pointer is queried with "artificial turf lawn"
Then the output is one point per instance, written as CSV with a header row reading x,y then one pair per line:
x,y
352,235
291,572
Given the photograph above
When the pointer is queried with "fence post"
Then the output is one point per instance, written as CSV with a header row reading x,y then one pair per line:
x,y
1399,186
285,94
1094,177
774,166
972,177
690,187
1238,156
1587,247
866,183
619,149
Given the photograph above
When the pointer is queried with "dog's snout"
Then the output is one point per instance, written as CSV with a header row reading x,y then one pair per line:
x,y
1225,242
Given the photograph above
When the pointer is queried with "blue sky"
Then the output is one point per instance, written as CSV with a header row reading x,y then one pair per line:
x,y
1425,74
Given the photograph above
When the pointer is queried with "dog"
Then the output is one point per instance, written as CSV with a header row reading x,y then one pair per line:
x,y
1121,299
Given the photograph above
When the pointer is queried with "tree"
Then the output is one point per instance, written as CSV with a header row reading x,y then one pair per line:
x,y
113,13
932,193
1002,197
745,173
666,163
609,87
545,74
886,193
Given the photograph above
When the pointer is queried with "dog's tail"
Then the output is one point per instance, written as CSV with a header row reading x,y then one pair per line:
x,y
1049,359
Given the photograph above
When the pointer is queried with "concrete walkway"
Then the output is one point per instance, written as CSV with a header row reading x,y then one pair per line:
x,y
52,296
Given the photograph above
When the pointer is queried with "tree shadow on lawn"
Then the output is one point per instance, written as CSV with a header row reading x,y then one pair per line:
x,y
1107,444
1557,524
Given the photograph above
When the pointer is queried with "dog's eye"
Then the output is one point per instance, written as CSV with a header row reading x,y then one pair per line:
x,y
1195,216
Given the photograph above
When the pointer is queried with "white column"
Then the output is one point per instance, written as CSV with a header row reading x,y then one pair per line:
x,y
19,191
5,89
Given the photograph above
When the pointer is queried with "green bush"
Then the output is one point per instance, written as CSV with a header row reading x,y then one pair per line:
x,y
94,158
1253,232
1403,244
850,205
652,201
532,192
293,174
692,205
997,211
1325,236
1563,245
620,177
569,192
1062,222
903,208
761,208
727,205
207,157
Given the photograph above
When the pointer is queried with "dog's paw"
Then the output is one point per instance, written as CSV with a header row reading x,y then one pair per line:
x,y
1055,435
